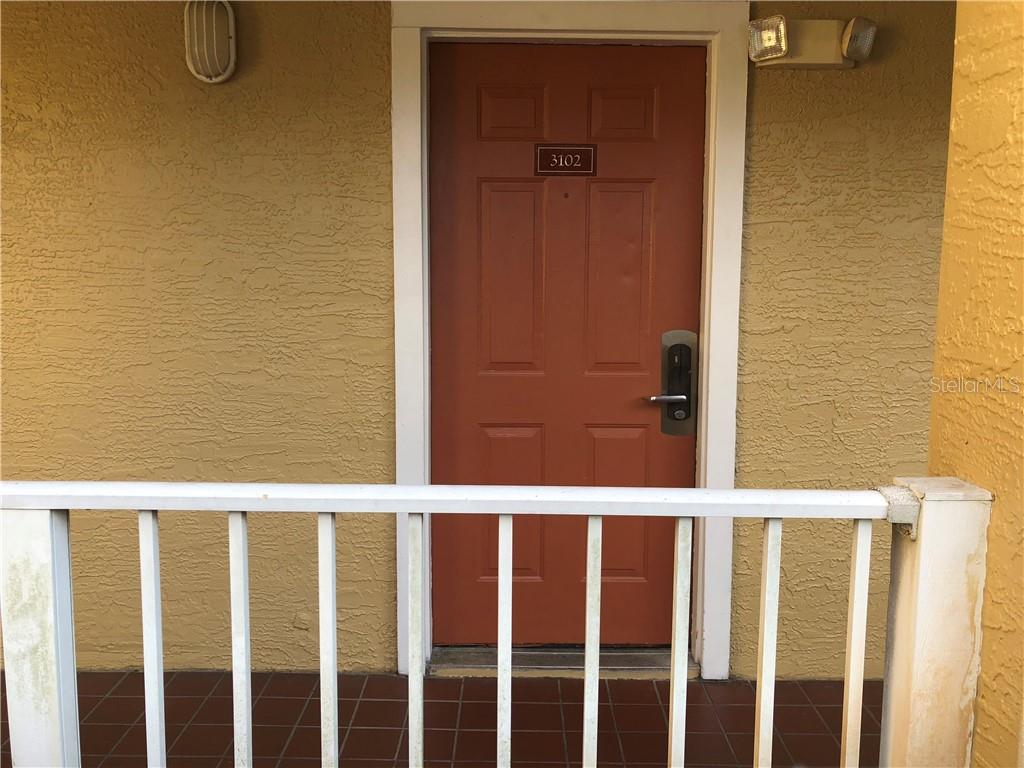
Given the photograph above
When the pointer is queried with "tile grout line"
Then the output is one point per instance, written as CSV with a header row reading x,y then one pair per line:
x,y
81,717
458,719
128,726
721,725
835,737
403,731
785,746
874,718
663,706
821,719
779,734
561,712
352,719
102,698
295,725
814,706
230,748
615,722
202,704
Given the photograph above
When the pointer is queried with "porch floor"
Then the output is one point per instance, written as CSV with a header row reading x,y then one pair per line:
x,y
460,721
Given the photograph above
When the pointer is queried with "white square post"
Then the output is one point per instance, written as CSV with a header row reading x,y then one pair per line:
x,y
933,646
39,637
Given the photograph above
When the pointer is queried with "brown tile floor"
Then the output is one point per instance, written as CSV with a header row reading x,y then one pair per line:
x,y
460,721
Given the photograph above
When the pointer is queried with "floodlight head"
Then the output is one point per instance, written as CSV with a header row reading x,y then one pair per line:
x,y
859,38
768,38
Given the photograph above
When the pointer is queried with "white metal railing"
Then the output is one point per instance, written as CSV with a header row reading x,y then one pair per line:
x,y
39,630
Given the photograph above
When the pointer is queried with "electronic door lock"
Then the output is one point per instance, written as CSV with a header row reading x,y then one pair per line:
x,y
678,383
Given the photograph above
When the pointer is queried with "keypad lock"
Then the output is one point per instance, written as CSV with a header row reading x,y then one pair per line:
x,y
679,383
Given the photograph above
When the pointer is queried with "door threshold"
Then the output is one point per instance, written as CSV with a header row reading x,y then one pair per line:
x,y
616,663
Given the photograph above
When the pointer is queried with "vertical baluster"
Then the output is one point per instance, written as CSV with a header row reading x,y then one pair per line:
x,y
328,591
152,637
771,562
241,676
856,631
415,641
680,642
504,745
592,649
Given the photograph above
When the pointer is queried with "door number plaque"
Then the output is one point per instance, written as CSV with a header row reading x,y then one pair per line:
x,y
565,160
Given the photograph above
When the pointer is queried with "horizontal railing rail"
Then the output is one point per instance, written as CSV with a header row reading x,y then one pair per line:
x,y
447,499
35,530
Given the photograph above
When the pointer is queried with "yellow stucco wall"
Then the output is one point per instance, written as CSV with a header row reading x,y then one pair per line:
x,y
142,207
977,426
197,286
843,206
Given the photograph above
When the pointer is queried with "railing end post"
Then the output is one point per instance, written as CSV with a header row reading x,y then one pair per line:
x,y
39,636
942,489
933,641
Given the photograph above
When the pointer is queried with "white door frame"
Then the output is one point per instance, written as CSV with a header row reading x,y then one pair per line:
x,y
722,27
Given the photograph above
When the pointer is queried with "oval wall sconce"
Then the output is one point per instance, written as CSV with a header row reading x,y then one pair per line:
x,y
210,39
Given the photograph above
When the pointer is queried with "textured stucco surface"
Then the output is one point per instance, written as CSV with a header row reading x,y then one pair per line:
x,y
843,219
977,427
197,286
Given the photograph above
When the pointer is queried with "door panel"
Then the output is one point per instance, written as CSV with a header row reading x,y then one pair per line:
x,y
618,274
548,299
511,261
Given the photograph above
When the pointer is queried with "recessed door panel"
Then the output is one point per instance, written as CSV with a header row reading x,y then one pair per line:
x,y
511,275
511,111
619,458
513,455
618,274
618,455
625,114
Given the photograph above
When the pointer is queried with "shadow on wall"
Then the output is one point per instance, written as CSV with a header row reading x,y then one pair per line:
x,y
845,175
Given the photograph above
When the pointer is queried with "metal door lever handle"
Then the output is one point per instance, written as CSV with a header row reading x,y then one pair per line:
x,y
667,399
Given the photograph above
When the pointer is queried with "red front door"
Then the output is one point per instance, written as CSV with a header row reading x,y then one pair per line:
x,y
549,296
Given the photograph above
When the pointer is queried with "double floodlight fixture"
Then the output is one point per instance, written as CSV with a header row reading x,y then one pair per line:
x,y
777,42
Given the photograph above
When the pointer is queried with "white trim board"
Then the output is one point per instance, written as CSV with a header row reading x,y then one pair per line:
x,y
722,27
